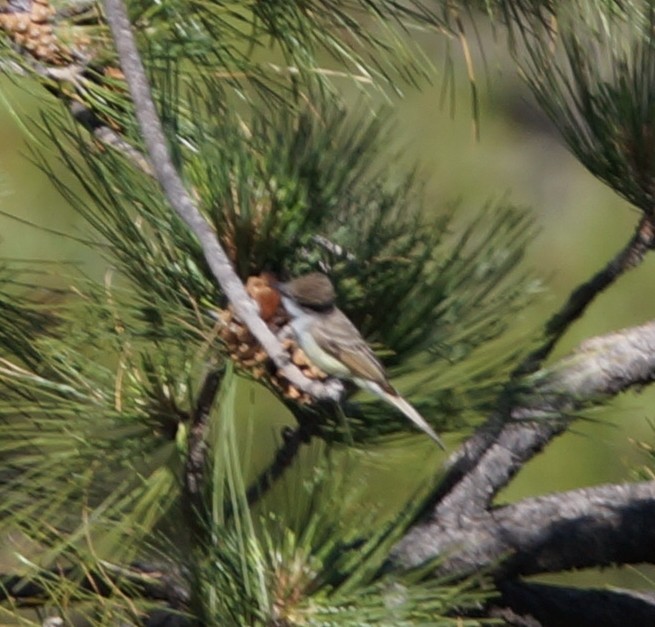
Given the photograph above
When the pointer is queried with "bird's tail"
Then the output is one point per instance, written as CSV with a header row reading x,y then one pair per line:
x,y
400,403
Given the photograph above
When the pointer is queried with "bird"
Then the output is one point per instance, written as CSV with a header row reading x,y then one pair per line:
x,y
333,343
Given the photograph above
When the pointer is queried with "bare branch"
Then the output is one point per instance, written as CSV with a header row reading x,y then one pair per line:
x,y
108,136
584,528
629,257
602,367
197,447
284,456
537,605
540,409
184,206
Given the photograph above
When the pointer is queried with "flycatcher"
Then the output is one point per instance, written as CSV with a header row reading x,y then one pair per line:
x,y
334,344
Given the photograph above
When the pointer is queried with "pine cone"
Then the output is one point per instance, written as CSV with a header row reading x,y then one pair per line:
x,y
246,351
32,30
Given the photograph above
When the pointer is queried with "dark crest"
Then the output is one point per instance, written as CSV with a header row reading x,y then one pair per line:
x,y
313,290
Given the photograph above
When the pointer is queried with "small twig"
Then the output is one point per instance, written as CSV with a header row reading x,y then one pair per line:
x,y
16,6
108,136
197,445
293,439
73,8
333,249
138,580
629,257
181,201
73,74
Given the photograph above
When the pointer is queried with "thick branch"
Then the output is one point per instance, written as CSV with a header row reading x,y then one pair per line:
x,y
186,209
537,605
584,528
541,409
629,257
538,411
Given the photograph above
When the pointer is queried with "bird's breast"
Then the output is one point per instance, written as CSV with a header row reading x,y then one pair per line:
x,y
319,356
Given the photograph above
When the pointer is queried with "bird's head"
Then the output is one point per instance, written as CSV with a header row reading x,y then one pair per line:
x,y
312,291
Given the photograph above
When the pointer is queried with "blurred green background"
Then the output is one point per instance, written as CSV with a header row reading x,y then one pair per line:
x,y
517,156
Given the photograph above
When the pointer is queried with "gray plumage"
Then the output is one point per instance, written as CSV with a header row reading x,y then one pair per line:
x,y
333,343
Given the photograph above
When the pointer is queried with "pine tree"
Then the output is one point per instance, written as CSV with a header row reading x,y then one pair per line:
x,y
139,481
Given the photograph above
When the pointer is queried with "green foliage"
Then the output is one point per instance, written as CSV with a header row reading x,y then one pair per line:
x,y
250,50
595,77
20,322
316,557
88,420
233,38
292,191
305,561
646,472
94,426
98,397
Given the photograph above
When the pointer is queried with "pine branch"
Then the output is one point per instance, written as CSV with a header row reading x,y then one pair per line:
x,y
138,581
629,257
185,207
538,605
108,137
197,448
293,439
601,368
57,77
586,528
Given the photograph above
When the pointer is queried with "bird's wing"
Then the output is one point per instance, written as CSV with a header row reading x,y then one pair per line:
x,y
342,340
